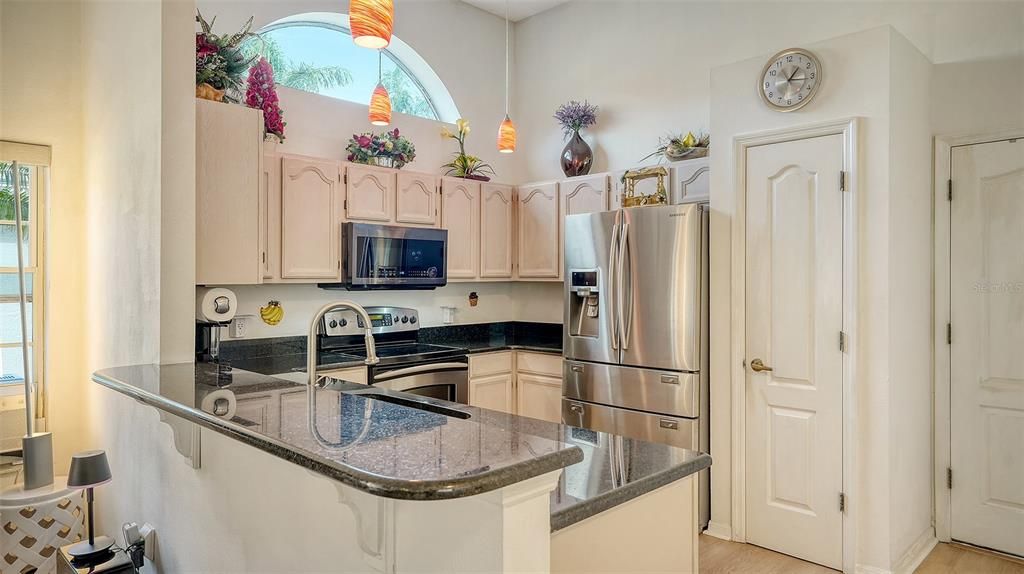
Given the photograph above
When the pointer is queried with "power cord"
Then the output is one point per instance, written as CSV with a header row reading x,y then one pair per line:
x,y
135,545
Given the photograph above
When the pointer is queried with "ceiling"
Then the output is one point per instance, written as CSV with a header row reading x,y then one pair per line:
x,y
517,9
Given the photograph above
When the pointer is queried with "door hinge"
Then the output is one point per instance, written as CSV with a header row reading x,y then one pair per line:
x,y
949,477
842,181
344,205
842,502
949,190
842,342
344,179
949,333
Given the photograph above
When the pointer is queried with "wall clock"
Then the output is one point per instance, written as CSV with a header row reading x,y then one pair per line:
x,y
790,80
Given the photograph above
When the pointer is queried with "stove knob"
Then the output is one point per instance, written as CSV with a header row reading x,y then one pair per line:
x,y
333,324
405,319
412,319
344,322
395,318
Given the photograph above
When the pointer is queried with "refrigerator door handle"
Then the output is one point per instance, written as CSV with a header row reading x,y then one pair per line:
x,y
612,254
624,322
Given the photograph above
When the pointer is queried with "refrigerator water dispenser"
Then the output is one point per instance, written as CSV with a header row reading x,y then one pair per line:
x,y
583,308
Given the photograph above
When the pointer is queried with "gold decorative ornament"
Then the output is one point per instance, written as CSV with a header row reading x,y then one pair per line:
x,y
631,199
272,313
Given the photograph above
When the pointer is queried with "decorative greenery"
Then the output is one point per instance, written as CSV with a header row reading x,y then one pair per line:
x,y
262,94
574,116
362,148
299,75
467,166
220,61
7,192
677,147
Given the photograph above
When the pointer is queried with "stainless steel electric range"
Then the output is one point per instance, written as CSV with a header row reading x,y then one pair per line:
x,y
405,365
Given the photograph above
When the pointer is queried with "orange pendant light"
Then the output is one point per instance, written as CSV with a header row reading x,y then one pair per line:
x,y
380,101
371,22
507,129
507,136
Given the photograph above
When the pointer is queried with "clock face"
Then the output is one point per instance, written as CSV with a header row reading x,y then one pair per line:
x,y
790,79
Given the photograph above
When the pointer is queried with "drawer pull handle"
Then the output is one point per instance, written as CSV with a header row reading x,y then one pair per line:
x,y
578,409
670,379
576,368
668,424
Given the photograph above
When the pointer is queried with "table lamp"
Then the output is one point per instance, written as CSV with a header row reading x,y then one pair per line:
x,y
88,470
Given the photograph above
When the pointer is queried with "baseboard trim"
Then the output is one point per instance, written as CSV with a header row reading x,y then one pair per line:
x,y
917,552
865,569
719,530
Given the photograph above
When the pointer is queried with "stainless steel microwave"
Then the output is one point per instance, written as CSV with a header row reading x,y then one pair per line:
x,y
390,257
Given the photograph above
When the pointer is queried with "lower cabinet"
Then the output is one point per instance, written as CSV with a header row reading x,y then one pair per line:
x,y
520,382
539,397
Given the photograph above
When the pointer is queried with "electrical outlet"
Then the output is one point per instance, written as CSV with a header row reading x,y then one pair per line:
x,y
148,533
240,326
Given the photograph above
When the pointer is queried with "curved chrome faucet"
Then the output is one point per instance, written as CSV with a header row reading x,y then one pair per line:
x,y
311,360
314,327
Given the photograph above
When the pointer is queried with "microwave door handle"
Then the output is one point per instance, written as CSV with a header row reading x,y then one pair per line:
x,y
418,370
612,254
620,286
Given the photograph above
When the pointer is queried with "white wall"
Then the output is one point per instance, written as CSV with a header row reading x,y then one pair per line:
x,y
40,103
978,96
647,63
910,298
538,302
851,62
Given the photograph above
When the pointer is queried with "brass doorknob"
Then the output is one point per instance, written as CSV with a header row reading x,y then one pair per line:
x,y
758,366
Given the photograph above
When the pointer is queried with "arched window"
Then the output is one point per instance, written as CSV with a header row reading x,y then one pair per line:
x,y
314,52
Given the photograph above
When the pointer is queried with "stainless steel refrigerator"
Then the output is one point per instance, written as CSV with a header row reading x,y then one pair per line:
x,y
636,326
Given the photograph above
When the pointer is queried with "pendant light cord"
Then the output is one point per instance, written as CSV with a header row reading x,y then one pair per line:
x,y
506,60
380,67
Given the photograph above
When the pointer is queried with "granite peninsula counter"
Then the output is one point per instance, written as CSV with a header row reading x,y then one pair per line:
x,y
404,448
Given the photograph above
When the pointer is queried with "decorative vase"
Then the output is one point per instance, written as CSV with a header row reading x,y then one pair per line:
x,y
577,157
382,161
208,92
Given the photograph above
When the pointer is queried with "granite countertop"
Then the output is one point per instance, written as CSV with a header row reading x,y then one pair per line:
x,y
365,437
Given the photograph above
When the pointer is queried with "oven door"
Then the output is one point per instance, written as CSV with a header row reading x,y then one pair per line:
x,y
448,381
390,257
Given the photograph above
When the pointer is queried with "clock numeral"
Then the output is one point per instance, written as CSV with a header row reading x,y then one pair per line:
x,y
808,65
799,97
767,85
771,94
789,102
789,58
772,73
812,75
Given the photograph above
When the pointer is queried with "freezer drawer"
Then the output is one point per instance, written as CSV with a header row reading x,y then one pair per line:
x,y
668,392
675,431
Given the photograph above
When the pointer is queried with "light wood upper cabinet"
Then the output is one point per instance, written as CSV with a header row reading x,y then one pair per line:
x,y
538,225
229,206
691,181
496,225
370,193
310,219
416,201
460,215
585,194
271,226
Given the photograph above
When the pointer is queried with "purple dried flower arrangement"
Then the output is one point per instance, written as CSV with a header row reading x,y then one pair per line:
x,y
574,116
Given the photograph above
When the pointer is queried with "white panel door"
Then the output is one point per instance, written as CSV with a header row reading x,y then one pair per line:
x,y
496,231
540,243
310,222
987,350
416,201
460,215
794,284
539,397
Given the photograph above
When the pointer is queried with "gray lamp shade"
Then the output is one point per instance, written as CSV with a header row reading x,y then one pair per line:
x,y
89,469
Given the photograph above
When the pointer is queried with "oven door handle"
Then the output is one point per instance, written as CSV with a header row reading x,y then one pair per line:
x,y
419,369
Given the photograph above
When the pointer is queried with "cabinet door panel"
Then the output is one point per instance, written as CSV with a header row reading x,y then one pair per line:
x,y
691,181
540,397
496,231
493,392
271,227
369,192
539,239
587,194
229,150
310,233
416,200
460,215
